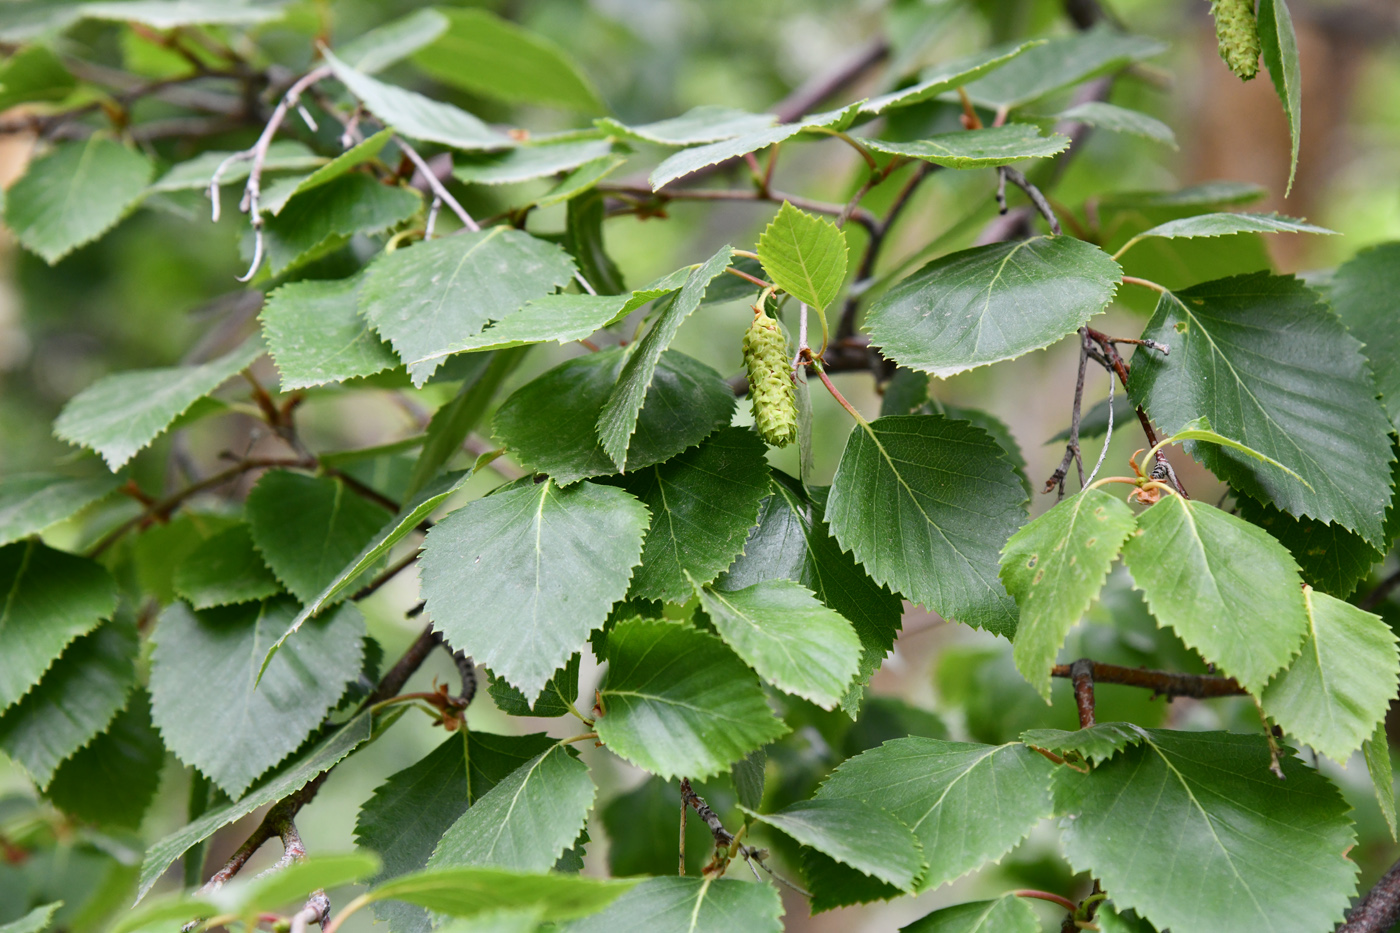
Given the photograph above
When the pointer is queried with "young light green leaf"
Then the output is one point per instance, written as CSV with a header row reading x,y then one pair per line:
x,y
704,124
678,702
171,14
428,300
223,569
1240,358
692,160
491,56
1226,224
382,46
518,579
703,503
561,318
417,116
1059,63
36,921
531,161
1376,750
690,905
283,155
992,303
1095,743
75,194
120,414
1199,429
936,79
113,779
50,598
31,502
1339,687
46,727
792,542
323,755
284,189
1362,293
1106,116
865,837
526,821
981,148
1279,45
467,892
1055,567
203,676
1227,588
1006,914
308,528
406,816
291,884
967,804
316,336
793,641
1200,812
617,421
805,256
34,73
925,504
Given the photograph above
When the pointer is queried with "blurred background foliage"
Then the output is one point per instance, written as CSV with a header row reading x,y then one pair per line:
x,y
151,293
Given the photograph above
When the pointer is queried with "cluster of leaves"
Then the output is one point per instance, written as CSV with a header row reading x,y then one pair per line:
x,y
730,603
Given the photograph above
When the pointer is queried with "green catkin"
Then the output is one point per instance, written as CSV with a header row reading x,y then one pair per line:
x,y
1237,31
770,384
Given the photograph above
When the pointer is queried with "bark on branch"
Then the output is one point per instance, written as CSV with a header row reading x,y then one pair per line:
x,y
1163,683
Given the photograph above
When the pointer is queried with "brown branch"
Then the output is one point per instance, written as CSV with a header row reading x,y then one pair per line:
x,y
810,95
1163,683
1379,908
646,196
847,326
1081,674
723,837
1382,590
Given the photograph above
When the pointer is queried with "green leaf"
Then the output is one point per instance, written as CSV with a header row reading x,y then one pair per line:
x,y
980,148
50,598
203,676
1055,567
31,502
316,336
1269,365
1210,194
992,303
583,238
308,528
223,569
323,755
561,318
805,256
1228,589
703,503
748,775
36,921
1006,914
1280,51
531,161
518,579
487,55
556,700
618,419
47,726
1117,119
793,641
1010,449
692,160
75,194
195,174
526,821
450,424
1362,293
937,79
1225,224
290,885
120,414
704,124
1331,558
865,837
1338,689
1111,921
113,779
678,702
407,814
690,905
1199,429
1097,743
457,284
329,214
1376,750
792,542
275,198
373,51
34,73
925,504
548,424
170,14
466,892
1060,63
417,116
1199,812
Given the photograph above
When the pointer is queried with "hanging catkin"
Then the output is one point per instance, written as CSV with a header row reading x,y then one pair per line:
x,y
770,385
1237,32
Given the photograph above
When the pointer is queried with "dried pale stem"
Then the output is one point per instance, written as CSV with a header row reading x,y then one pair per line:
x,y
435,185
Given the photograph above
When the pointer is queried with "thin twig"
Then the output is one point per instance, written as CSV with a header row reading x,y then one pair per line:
x,y
723,837
435,184
1038,199
1072,454
1081,674
1108,435
1162,683
1382,590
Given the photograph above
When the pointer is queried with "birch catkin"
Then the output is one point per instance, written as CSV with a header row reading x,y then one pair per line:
x,y
770,385
1237,32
